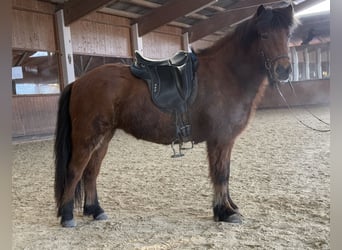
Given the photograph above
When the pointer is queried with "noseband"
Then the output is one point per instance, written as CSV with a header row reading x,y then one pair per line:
x,y
269,64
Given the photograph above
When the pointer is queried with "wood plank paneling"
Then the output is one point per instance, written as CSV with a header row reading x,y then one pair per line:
x,y
100,38
33,30
163,42
100,17
34,115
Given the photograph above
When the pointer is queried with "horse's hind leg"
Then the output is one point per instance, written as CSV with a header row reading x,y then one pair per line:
x,y
91,203
219,163
72,189
85,152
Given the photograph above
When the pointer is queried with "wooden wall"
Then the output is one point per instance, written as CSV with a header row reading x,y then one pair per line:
x,y
33,25
34,115
101,34
310,92
163,42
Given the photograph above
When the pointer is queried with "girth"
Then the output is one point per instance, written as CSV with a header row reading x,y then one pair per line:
x,y
173,86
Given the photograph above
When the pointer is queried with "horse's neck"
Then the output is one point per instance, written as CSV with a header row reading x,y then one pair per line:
x,y
237,66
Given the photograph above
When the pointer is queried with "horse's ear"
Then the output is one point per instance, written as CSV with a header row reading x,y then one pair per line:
x,y
260,10
289,9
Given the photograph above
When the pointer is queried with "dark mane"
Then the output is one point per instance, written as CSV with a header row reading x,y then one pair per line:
x,y
247,31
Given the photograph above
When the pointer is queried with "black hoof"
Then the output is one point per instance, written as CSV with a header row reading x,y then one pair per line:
x,y
68,223
222,213
94,210
235,219
101,216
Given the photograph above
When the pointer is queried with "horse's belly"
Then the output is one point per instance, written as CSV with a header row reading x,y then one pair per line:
x,y
150,126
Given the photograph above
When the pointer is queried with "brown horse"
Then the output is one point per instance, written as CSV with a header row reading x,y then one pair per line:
x,y
232,76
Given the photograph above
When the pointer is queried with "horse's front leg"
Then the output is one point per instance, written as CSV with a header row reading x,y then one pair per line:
x,y
219,166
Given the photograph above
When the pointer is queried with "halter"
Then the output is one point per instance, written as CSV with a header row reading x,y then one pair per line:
x,y
269,64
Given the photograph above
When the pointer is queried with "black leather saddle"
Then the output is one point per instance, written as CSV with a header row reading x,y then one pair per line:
x,y
173,86
171,81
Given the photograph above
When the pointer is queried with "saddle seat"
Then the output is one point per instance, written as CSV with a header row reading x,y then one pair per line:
x,y
177,59
171,82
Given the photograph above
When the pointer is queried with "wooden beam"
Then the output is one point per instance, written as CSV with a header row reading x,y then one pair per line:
x,y
135,16
75,9
21,59
238,11
65,49
152,5
166,13
185,42
137,43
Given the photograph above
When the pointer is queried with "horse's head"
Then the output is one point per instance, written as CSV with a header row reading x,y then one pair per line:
x,y
274,27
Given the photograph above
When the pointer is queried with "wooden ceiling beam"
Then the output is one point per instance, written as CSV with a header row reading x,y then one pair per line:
x,y
76,9
238,11
135,16
168,12
152,5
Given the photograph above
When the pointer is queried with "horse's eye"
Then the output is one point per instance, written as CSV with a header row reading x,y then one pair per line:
x,y
264,35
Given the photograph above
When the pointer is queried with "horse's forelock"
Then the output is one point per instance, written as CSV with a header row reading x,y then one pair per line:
x,y
280,18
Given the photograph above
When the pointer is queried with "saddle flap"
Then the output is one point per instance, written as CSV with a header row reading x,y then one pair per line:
x,y
166,94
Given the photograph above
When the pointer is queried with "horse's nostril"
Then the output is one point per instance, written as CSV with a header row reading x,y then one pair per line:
x,y
283,71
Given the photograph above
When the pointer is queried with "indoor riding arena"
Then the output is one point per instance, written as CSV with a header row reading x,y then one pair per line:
x,y
279,165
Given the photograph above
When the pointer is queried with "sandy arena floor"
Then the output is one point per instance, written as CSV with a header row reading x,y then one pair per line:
x,y
280,179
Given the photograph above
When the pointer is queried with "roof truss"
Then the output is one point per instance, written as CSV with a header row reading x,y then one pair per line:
x,y
236,13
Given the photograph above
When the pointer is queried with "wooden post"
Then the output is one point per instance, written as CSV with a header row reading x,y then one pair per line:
x,y
65,48
136,39
185,41
307,64
319,63
294,57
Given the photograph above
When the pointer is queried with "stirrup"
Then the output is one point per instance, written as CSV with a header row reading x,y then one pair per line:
x,y
186,148
180,154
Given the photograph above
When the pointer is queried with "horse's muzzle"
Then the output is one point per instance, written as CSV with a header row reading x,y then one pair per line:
x,y
282,71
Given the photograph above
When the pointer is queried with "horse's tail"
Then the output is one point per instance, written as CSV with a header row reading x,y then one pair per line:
x,y
63,149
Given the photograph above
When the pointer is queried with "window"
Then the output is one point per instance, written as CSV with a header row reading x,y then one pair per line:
x,y
34,72
311,62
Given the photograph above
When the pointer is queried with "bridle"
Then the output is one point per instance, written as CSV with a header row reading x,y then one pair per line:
x,y
269,64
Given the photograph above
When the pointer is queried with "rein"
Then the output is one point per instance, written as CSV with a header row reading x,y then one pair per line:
x,y
269,63
293,113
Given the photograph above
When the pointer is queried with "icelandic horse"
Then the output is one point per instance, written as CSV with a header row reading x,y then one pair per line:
x,y
232,75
